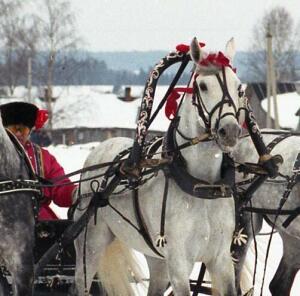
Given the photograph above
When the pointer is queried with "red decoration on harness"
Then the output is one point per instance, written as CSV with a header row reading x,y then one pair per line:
x,y
185,48
171,105
41,118
216,59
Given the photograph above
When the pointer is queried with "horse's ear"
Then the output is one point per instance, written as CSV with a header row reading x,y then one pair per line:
x,y
230,49
196,52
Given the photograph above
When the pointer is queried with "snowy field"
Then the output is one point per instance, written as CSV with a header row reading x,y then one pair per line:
x,y
72,158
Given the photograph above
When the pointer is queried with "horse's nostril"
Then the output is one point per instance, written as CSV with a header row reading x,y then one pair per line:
x,y
222,132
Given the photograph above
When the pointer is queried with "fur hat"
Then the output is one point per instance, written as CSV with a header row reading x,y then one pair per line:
x,y
21,113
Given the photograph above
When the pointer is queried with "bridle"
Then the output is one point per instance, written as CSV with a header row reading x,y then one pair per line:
x,y
206,115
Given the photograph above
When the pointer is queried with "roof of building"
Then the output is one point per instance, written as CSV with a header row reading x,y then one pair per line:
x,y
260,88
288,104
96,106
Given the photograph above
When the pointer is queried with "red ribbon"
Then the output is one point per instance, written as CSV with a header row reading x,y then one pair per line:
x,y
185,48
41,118
217,59
171,105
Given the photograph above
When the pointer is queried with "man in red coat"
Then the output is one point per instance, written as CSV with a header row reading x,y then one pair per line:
x,y
20,118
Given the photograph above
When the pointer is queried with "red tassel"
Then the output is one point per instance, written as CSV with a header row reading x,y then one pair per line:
x,y
171,105
218,60
182,48
41,118
185,48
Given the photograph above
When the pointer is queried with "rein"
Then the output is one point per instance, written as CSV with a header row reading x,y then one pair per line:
x,y
11,186
147,163
51,182
42,182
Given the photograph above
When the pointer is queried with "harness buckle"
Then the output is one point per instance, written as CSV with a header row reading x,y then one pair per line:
x,y
130,171
223,189
155,162
197,140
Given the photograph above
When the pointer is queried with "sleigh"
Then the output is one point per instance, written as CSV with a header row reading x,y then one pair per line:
x,y
57,276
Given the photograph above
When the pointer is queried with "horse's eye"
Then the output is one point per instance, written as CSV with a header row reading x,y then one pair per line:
x,y
203,86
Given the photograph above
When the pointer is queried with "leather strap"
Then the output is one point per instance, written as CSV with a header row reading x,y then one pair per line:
x,y
140,220
188,183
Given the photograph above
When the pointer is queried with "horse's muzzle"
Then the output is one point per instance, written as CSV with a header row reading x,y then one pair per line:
x,y
229,133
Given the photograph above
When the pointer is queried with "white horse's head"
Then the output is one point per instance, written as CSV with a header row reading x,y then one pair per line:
x,y
217,94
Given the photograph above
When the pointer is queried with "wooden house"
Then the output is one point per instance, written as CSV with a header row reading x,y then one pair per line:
x,y
257,92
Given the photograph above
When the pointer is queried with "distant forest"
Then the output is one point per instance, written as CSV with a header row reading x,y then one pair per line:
x,y
116,68
96,72
131,68
103,69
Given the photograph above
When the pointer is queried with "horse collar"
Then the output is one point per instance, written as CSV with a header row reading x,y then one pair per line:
x,y
188,183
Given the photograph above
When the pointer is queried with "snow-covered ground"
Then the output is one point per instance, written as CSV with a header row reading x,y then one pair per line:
x,y
72,158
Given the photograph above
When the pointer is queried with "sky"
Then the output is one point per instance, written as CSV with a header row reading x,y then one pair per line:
x,y
126,25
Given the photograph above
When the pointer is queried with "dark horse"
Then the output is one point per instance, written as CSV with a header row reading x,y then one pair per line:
x,y
16,219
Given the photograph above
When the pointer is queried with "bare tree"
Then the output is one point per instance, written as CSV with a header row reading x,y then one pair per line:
x,y
58,35
18,35
9,26
280,24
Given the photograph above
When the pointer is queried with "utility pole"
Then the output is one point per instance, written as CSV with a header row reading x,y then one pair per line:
x,y
271,84
29,79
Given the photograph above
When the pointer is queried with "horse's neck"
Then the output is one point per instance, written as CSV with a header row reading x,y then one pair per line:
x,y
204,159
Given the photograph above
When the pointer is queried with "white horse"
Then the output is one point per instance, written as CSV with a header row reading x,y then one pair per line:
x,y
196,229
269,196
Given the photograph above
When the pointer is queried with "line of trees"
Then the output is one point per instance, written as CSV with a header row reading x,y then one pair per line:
x,y
49,40
70,70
